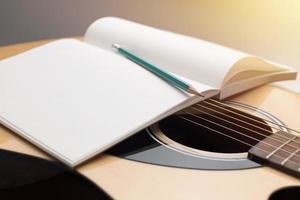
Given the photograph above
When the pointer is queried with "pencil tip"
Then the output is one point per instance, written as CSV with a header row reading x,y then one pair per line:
x,y
193,90
116,46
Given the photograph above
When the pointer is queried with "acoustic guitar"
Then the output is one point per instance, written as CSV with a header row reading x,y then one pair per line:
x,y
246,147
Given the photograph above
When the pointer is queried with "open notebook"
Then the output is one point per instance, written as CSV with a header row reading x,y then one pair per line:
x,y
75,99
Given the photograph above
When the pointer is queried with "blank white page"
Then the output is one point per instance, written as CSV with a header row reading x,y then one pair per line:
x,y
75,100
196,59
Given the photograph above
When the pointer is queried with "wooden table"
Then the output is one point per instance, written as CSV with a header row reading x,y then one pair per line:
x,y
124,179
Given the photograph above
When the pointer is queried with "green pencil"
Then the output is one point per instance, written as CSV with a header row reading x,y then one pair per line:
x,y
159,72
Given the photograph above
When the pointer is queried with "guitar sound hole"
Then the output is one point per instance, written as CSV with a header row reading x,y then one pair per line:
x,y
200,127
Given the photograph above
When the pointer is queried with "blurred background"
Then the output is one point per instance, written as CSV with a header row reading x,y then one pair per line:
x,y
269,28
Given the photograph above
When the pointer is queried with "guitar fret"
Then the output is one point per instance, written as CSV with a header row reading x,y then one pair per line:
x,y
282,145
290,156
283,157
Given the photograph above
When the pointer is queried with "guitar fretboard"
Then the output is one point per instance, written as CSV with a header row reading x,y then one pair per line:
x,y
280,150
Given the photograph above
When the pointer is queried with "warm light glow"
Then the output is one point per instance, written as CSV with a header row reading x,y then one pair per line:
x,y
268,28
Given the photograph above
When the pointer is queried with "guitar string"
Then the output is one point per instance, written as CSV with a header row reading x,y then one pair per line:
x,y
274,155
237,113
243,126
233,138
223,104
234,112
264,129
238,132
242,115
201,111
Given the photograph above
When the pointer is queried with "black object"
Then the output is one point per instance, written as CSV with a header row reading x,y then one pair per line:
x,y
286,193
27,177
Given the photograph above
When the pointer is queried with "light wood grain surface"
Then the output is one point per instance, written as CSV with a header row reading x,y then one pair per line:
x,y
124,179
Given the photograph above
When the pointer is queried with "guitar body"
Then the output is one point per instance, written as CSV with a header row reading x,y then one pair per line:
x,y
123,178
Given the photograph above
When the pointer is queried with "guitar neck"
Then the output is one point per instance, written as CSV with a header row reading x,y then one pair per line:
x,y
281,150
